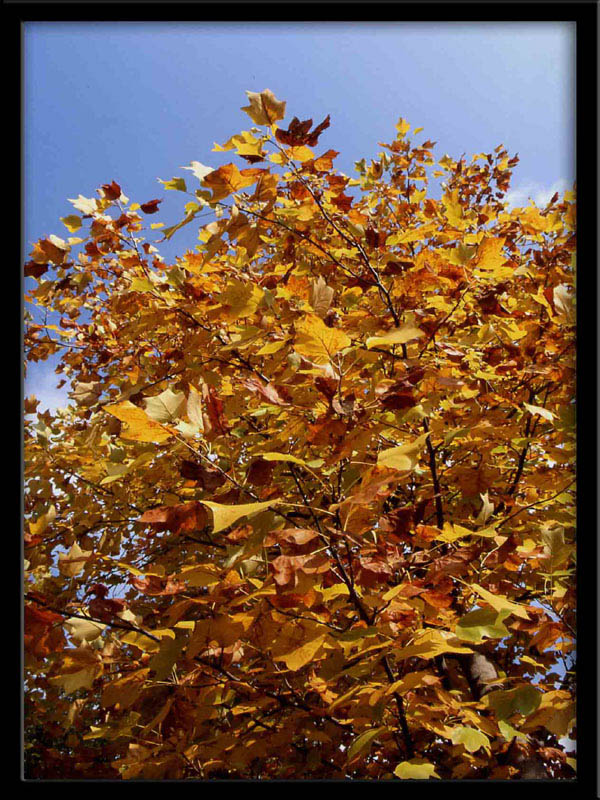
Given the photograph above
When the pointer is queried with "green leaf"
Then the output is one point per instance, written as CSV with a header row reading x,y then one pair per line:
x,y
363,742
482,623
509,733
176,184
523,700
72,222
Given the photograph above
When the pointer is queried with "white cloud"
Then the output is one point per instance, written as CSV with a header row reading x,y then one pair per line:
x,y
522,195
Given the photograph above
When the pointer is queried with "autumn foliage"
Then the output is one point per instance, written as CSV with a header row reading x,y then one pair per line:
x,y
310,511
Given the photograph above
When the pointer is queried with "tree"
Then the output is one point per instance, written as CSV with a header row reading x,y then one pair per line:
x,y
311,511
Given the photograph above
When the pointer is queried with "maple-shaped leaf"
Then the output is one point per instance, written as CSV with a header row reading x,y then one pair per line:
x,y
320,297
317,341
275,395
264,107
78,669
51,249
199,170
224,516
166,406
140,428
31,403
228,179
85,205
86,394
112,190
194,409
39,526
34,270
405,456
299,133
73,562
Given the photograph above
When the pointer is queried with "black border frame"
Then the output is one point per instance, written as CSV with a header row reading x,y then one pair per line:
x,y
584,13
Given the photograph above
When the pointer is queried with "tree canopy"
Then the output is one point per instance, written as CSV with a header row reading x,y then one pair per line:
x,y
310,512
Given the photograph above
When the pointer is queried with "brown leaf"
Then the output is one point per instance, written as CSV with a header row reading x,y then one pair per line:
x,y
260,472
182,518
151,207
208,478
112,191
276,395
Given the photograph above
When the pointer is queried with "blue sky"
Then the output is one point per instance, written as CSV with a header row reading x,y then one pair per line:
x,y
134,102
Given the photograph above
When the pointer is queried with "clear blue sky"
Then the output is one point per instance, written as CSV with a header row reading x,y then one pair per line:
x,y
134,102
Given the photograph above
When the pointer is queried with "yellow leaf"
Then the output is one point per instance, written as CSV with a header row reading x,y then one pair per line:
x,y
429,644
302,655
452,532
542,412
224,516
318,342
413,680
241,298
398,336
270,348
415,769
39,526
412,234
499,603
73,562
144,642
403,127
264,108
83,631
124,691
285,457
166,406
489,255
405,457
72,222
472,739
228,178
194,409
198,575
140,428
79,669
